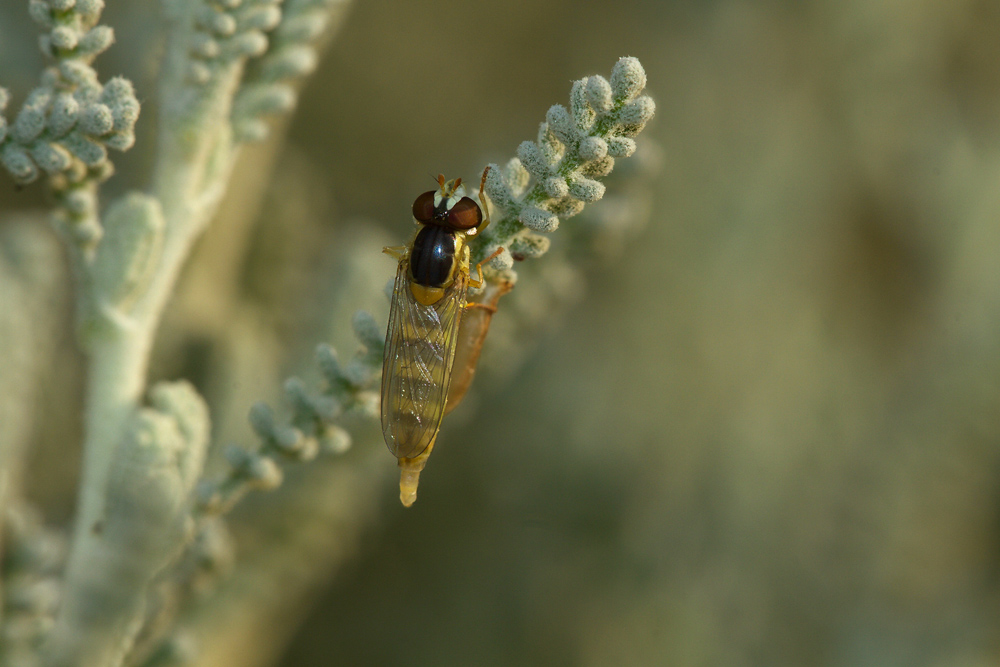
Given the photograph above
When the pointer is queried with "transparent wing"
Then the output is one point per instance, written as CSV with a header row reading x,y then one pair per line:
x,y
416,368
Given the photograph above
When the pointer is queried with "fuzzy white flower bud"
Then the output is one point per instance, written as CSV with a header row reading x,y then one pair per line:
x,y
539,220
628,78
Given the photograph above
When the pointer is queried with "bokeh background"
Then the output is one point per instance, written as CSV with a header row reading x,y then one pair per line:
x,y
764,433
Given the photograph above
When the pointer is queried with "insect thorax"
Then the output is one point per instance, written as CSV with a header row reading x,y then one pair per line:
x,y
433,256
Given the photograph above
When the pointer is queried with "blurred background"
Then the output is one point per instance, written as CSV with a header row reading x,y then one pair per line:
x,y
764,433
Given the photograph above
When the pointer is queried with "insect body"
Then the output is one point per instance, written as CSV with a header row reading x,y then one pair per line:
x,y
428,302
471,336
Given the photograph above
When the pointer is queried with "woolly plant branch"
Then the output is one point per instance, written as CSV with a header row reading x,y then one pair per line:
x,y
145,524
553,178
128,276
312,426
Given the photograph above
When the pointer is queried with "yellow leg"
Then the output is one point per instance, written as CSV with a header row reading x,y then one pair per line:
x,y
479,269
482,200
395,251
485,306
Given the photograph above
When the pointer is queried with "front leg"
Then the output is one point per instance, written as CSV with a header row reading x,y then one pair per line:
x,y
396,251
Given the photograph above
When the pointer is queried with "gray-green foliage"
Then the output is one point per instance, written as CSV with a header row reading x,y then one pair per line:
x,y
553,178
149,534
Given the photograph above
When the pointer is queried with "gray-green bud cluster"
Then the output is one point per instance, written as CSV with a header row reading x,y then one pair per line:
x,y
269,85
67,124
312,426
227,31
554,177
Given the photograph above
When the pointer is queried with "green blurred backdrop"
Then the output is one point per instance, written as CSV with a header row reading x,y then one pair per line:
x,y
768,436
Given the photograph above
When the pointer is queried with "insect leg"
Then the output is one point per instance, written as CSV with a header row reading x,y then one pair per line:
x,y
482,201
395,251
485,306
479,269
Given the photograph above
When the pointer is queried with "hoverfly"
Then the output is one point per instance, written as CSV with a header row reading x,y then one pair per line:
x,y
428,304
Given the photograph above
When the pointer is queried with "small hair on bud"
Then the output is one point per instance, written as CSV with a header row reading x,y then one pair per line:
x,y
79,73
97,40
637,112
567,208
628,78
528,245
621,146
89,10
583,114
556,187
4,98
551,146
41,13
96,120
532,159
599,93
516,176
61,5
17,161
593,148
52,158
91,152
539,220
28,125
598,168
586,190
120,141
63,115
497,189
64,37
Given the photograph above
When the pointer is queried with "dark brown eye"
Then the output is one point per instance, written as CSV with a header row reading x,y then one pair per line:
x,y
423,207
465,214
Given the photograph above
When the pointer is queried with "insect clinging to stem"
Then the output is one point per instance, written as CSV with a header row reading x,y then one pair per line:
x,y
429,300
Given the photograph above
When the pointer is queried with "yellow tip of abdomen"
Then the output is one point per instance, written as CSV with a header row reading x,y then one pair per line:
x,y
408,480
409,476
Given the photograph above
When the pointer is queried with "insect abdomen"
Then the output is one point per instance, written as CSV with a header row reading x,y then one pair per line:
x,y
416,388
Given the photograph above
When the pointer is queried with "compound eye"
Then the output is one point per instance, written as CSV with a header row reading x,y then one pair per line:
x,y
423,207
465,214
